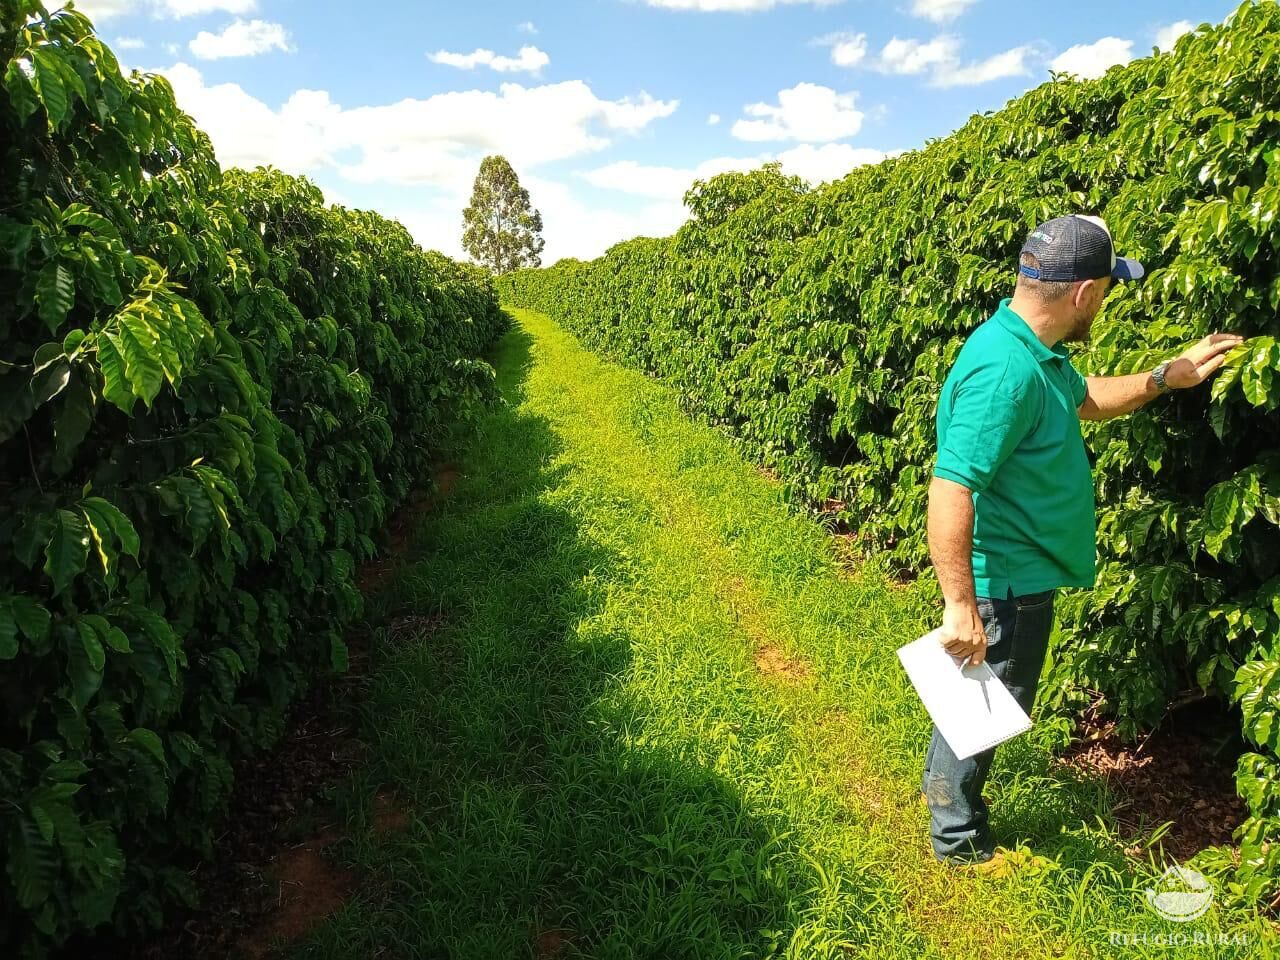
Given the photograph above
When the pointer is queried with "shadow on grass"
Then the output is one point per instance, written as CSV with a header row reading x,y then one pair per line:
x,y
1048,797
539,827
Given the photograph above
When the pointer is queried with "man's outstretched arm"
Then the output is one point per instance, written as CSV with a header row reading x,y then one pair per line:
x,y
1109,397
950,532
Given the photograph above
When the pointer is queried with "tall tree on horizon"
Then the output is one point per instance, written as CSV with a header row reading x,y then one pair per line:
x,y
503,232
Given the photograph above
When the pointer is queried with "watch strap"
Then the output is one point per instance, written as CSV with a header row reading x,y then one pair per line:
x,y
1158,376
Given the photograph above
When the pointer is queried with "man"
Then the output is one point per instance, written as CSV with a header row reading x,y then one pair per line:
x,y
1011,512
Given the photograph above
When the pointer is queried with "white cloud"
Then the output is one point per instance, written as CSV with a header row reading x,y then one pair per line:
x,y
434,141
847,49
628,114
940,11
913,56
661,182
1167,36
940,57
246,132
713,119
97,10
806,112
242,38
526,27
586,230
1011,63
104,9
336,197
529,60
438,143
830,161
193,8
130,43
733,6
1091,60
817,164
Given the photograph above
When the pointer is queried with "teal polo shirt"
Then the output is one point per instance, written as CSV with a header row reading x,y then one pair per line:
x,y
1009,430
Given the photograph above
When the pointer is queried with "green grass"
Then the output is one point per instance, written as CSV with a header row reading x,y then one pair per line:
x,y
589,745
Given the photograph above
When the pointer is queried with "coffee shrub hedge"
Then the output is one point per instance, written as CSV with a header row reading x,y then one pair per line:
x,y
816,325
213,390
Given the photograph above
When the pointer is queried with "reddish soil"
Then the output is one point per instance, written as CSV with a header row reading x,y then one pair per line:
x,y
773,662
311,887
264,881
550,944
388,815
398,534
1183,771
272,879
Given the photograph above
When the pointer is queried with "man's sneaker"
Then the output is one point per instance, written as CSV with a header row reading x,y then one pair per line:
x,y
996,864
1004,862
978,862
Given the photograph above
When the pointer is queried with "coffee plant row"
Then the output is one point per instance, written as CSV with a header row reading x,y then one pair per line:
x,y
213,390
816,326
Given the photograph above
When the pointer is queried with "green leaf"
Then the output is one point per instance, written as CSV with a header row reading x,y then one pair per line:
x,y
67,551
67,770
109,515
55,294
50,381
140,347
33,866
160,633
85,660
48,85
16,403
104,543
117,640
71,342
21,91
149,742
115,383
32,619
32,537
89,638
338,658
79,215
8,630
72,421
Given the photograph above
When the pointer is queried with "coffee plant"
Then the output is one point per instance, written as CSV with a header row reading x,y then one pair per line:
x,y
213,390
816,325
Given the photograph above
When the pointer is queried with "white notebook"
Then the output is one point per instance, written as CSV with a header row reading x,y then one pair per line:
x,y
972,708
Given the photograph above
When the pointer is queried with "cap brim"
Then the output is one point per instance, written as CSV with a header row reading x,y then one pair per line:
x,y
1127,268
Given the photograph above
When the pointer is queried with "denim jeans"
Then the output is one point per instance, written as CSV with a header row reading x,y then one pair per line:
x,y
1018,631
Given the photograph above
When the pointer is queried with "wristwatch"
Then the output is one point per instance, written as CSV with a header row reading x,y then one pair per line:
x,y
1158,376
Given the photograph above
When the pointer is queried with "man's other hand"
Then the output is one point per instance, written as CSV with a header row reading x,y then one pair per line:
x,y
963,634
1197,364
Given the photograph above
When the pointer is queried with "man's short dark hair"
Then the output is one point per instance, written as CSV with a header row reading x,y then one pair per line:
x,y
1046,291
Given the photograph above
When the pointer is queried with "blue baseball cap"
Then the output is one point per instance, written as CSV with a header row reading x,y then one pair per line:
x,y
1076,247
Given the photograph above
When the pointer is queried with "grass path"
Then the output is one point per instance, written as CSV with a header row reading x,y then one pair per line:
x,y
658,720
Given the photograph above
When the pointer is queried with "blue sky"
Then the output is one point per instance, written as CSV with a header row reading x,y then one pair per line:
x,y
608,109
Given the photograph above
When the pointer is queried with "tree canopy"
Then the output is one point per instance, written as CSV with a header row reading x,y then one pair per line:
x,y
503,231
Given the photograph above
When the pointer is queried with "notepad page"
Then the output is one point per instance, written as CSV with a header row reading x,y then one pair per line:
x,y
972,708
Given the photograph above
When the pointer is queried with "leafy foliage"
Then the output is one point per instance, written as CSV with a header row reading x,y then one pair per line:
x,y
503,231
816,327
213,389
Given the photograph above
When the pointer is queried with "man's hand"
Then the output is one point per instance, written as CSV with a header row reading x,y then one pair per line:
x,y
963,634
1108,397
1197,364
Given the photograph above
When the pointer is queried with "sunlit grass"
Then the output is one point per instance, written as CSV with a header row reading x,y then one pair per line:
x,y
593,757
